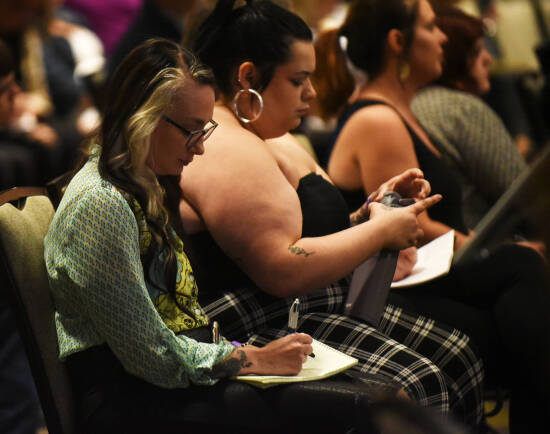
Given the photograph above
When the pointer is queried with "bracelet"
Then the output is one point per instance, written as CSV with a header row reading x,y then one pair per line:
x,y
367,203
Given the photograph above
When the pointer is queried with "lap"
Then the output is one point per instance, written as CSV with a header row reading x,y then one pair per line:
x,y
130,405
422,356
481,283
243,311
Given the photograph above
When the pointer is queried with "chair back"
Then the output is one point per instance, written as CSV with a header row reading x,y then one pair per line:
x,y
22,231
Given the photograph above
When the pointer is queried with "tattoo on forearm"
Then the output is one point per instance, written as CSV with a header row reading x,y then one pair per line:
x,y
231,366
299,251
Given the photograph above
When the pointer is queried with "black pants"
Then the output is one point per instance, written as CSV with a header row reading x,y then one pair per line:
x,y
503,304
111,401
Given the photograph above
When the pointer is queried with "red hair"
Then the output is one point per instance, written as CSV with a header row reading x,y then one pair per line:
x,y
462,31
332,80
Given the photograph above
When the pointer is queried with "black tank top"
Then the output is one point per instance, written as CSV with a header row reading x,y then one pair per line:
x,y
443,179
324,212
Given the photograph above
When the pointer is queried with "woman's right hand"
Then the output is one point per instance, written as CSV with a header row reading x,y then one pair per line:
x,y
283,356
400,225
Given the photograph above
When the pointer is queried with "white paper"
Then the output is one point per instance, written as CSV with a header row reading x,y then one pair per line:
x,y
434,260
327,362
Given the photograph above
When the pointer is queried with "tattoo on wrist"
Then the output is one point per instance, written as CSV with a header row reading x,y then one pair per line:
x,y
231,366
299,251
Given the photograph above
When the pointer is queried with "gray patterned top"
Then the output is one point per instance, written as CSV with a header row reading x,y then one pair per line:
x,y
92,255
473,139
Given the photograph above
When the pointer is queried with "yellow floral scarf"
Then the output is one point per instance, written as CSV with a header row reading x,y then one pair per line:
x,y
169,304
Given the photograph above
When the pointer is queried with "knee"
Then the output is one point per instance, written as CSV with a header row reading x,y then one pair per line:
x,y
425,383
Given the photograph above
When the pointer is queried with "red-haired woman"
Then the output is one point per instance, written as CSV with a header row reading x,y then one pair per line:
x,y
468,133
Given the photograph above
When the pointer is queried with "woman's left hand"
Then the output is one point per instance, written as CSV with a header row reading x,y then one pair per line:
x,y
405,263
409,184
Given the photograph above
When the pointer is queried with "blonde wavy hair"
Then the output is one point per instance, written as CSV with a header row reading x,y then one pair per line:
x,y
141,91
137,135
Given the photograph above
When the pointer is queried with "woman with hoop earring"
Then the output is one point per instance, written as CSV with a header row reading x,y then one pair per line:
x,y
264,224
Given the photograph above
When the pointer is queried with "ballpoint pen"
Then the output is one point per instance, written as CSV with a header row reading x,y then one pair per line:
x,y
293,316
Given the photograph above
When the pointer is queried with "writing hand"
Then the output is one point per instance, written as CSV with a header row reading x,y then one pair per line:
x,y
284,356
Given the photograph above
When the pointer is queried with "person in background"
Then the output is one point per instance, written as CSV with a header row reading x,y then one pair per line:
x,y
505,95
156,18
467,132
264,223
23,160
20,411
17,164
502,300
109,20
315,12
52,95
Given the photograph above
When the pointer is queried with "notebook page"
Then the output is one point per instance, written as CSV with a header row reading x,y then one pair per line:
x,y
327,362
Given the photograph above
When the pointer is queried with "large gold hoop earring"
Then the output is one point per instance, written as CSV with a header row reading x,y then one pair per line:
x,y
404,71
254,93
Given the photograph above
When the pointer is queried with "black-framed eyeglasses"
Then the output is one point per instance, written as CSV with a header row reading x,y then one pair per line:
x,y
193,137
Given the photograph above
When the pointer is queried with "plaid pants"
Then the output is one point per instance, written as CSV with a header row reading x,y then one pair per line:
x,y
433,363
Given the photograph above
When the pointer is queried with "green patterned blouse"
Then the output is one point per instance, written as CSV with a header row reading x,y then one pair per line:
x,y
92,254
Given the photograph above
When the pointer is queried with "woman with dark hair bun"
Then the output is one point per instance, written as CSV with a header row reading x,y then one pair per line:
x,y
265,224
483,152
501,299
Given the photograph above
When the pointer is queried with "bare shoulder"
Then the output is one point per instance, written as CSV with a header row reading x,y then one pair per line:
x,y
374,131
232,156
293,159
375,143
291,146
239,191
379,122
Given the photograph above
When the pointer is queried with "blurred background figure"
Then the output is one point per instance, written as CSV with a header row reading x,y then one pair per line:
x,y
19,164
467,132
519,90
108,19
23,160
156,18
11,157
379,136
319,14
516,79
54,92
